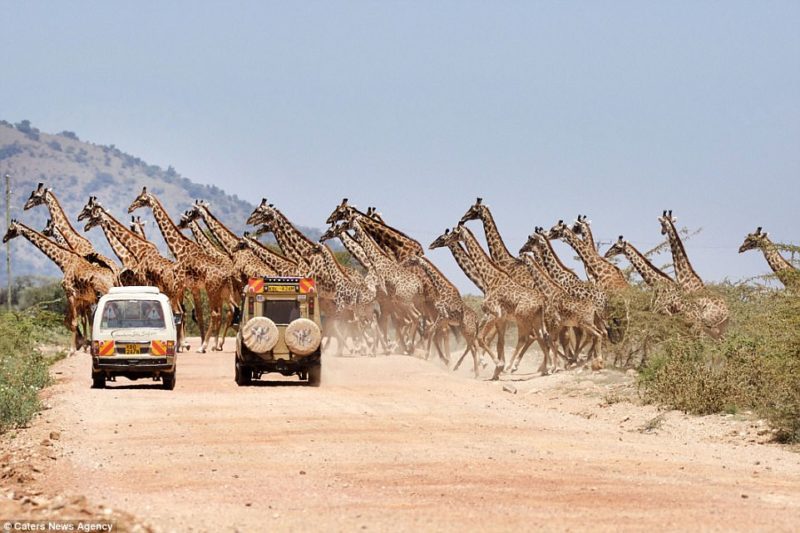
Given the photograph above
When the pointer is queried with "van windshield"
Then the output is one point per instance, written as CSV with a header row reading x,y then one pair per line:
x,y
122,314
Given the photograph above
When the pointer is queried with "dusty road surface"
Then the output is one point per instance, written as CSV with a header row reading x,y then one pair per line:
x,y
397,443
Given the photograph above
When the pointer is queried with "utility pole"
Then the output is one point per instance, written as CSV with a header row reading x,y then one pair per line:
x,y
8,244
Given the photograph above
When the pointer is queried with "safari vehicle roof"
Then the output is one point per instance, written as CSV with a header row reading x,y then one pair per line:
x,y
134,293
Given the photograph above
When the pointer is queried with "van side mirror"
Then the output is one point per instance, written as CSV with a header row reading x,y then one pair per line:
x,y
237,316
177,319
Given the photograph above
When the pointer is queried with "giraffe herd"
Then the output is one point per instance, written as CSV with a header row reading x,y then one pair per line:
x,y
394,298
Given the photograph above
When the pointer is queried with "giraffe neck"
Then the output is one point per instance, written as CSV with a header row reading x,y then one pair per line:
x,y
586,229
137,246
684,273
605,274
776,261
554,266
58,254
280,264
467,265
497,248
441,283
299,243
376,256
205,243
388,238
287,246
355,249
127,258
543,281
180,246
650,274
490,273
76,241
224,236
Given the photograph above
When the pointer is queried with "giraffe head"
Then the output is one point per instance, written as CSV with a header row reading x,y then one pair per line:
x,y
372,212
343,211
333,231
476,212
581,226
444,240
87,210
757,239
667,221
190,215
558,231
13,231
264,213
617,248
37,197
49,229
95,218
145,199
137,225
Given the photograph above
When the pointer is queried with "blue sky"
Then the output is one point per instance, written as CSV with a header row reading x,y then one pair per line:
x,y
546,109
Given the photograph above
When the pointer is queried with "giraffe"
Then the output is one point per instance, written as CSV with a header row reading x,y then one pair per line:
x,y
453,312
76,242
668,294
356,251
606,275
580,314
540,246
505,297
397,245
357,296
783,269
403,286
685,275
83,281
202,270
372,212
147,264
714,313
394,242
128,275
519,270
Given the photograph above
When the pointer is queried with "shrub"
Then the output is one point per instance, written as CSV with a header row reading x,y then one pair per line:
x,y
23,368
755,366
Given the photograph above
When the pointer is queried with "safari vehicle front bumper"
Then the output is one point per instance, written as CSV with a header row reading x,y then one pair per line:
x,y
135,365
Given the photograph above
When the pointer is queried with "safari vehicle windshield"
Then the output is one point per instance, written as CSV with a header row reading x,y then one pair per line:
x,y
122,314
282,311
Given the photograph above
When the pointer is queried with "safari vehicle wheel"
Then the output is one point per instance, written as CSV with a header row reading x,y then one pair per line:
x,y
168,381
243,375
98,381
314,375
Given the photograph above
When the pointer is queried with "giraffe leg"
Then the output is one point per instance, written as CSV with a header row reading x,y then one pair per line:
x,y
198,311
71,322
484,331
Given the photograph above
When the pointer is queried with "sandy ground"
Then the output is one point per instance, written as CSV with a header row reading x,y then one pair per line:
x,y
391,443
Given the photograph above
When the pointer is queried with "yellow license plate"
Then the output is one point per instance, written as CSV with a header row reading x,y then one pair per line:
x,y
131,349
281,288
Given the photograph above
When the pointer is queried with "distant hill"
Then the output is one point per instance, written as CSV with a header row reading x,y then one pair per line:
x,y
76,169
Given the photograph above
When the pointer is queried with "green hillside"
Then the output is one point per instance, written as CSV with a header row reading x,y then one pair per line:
x,y
77,169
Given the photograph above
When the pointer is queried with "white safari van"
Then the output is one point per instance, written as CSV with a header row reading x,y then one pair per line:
x,y
133,335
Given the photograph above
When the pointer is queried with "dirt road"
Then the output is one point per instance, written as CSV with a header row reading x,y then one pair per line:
x,y
397,443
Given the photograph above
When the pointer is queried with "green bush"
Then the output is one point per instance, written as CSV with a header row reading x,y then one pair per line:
x,y
23,368
756,365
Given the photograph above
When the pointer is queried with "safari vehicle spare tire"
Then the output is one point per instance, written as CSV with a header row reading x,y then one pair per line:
x,y
303,336
260,334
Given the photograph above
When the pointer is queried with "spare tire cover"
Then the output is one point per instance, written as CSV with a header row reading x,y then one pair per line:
x,y
260,334
302,336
